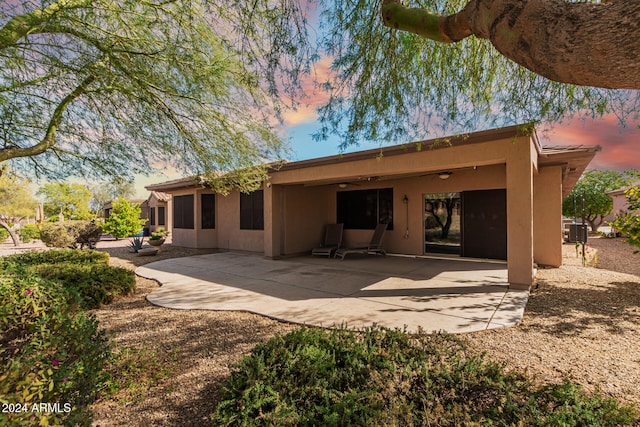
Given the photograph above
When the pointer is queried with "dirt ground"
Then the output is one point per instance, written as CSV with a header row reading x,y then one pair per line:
x,y
581,323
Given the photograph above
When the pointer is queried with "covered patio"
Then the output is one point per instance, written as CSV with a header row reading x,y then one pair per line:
x,y
452,295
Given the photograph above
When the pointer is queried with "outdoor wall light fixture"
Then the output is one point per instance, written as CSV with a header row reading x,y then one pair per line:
x,y
444,175
405,199
342,185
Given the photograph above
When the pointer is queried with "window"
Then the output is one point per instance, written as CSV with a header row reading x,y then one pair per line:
x,y
364,209
152,216
252,211
183,211
161,215
208,211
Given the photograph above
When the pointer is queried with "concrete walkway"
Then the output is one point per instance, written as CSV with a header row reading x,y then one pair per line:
x,y
397,292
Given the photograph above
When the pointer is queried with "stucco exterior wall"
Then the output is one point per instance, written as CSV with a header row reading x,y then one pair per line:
x,y
547,217
229,235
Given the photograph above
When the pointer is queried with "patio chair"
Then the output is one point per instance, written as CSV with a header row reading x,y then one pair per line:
x,y
332,241
374,246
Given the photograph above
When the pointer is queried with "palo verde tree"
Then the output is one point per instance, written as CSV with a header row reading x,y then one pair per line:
x,y
593,186
403,71
108,87
113,86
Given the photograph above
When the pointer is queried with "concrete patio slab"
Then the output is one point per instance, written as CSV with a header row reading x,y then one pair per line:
x,y
397,292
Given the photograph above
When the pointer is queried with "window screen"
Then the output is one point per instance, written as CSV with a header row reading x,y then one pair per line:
x,y
252,211
208,211
183,211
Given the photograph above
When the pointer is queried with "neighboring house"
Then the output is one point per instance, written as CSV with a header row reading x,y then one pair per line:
x,y
510,192
620,202
160,214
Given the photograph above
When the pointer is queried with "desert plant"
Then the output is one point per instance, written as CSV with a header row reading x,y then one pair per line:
x,y
85,275
91,284
158,234
51,352
52,257
71,234
135,243
387,377
57,234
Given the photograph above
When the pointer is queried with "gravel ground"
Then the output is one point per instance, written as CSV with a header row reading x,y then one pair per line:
x,y
581,323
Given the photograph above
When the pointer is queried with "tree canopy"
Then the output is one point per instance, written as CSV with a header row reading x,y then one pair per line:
x,y
70,200
593,186
111,86
107,87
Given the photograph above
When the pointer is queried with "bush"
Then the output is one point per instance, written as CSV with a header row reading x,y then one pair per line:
x,y
85,275
4,234
93,284
51,352
29,232
71,234
384,377
54,256
124,219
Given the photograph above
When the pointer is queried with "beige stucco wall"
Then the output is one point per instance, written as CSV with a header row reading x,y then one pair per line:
x,y
547,218
196,237
154,203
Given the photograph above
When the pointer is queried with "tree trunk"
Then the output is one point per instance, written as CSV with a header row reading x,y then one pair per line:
x,y
589,44
13,234
447,225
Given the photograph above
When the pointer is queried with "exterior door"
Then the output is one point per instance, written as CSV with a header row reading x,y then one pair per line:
x,y
484,224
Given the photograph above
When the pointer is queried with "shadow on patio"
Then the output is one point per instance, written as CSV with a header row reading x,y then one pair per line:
x,y
396,292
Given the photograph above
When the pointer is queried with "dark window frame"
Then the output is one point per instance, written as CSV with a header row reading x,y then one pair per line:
x,y
364,209
183,210
208,211
152,216
252,210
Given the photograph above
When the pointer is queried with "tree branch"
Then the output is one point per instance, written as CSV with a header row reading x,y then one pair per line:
x,y
22,25
445,29
49,139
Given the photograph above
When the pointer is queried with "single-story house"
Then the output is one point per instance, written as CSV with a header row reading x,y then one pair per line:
x,y
500,187
159,214
620,202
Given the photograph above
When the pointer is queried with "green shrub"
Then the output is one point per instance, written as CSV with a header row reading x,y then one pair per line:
x,y
384,377
54,256
50,352
85,275
29,232
71,234
4,234
94,284
124,219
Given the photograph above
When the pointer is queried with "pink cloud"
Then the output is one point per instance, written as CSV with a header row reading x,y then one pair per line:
x,y
313,96
620,145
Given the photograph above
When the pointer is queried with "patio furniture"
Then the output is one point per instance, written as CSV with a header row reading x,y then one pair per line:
x,y
374,246
332,240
